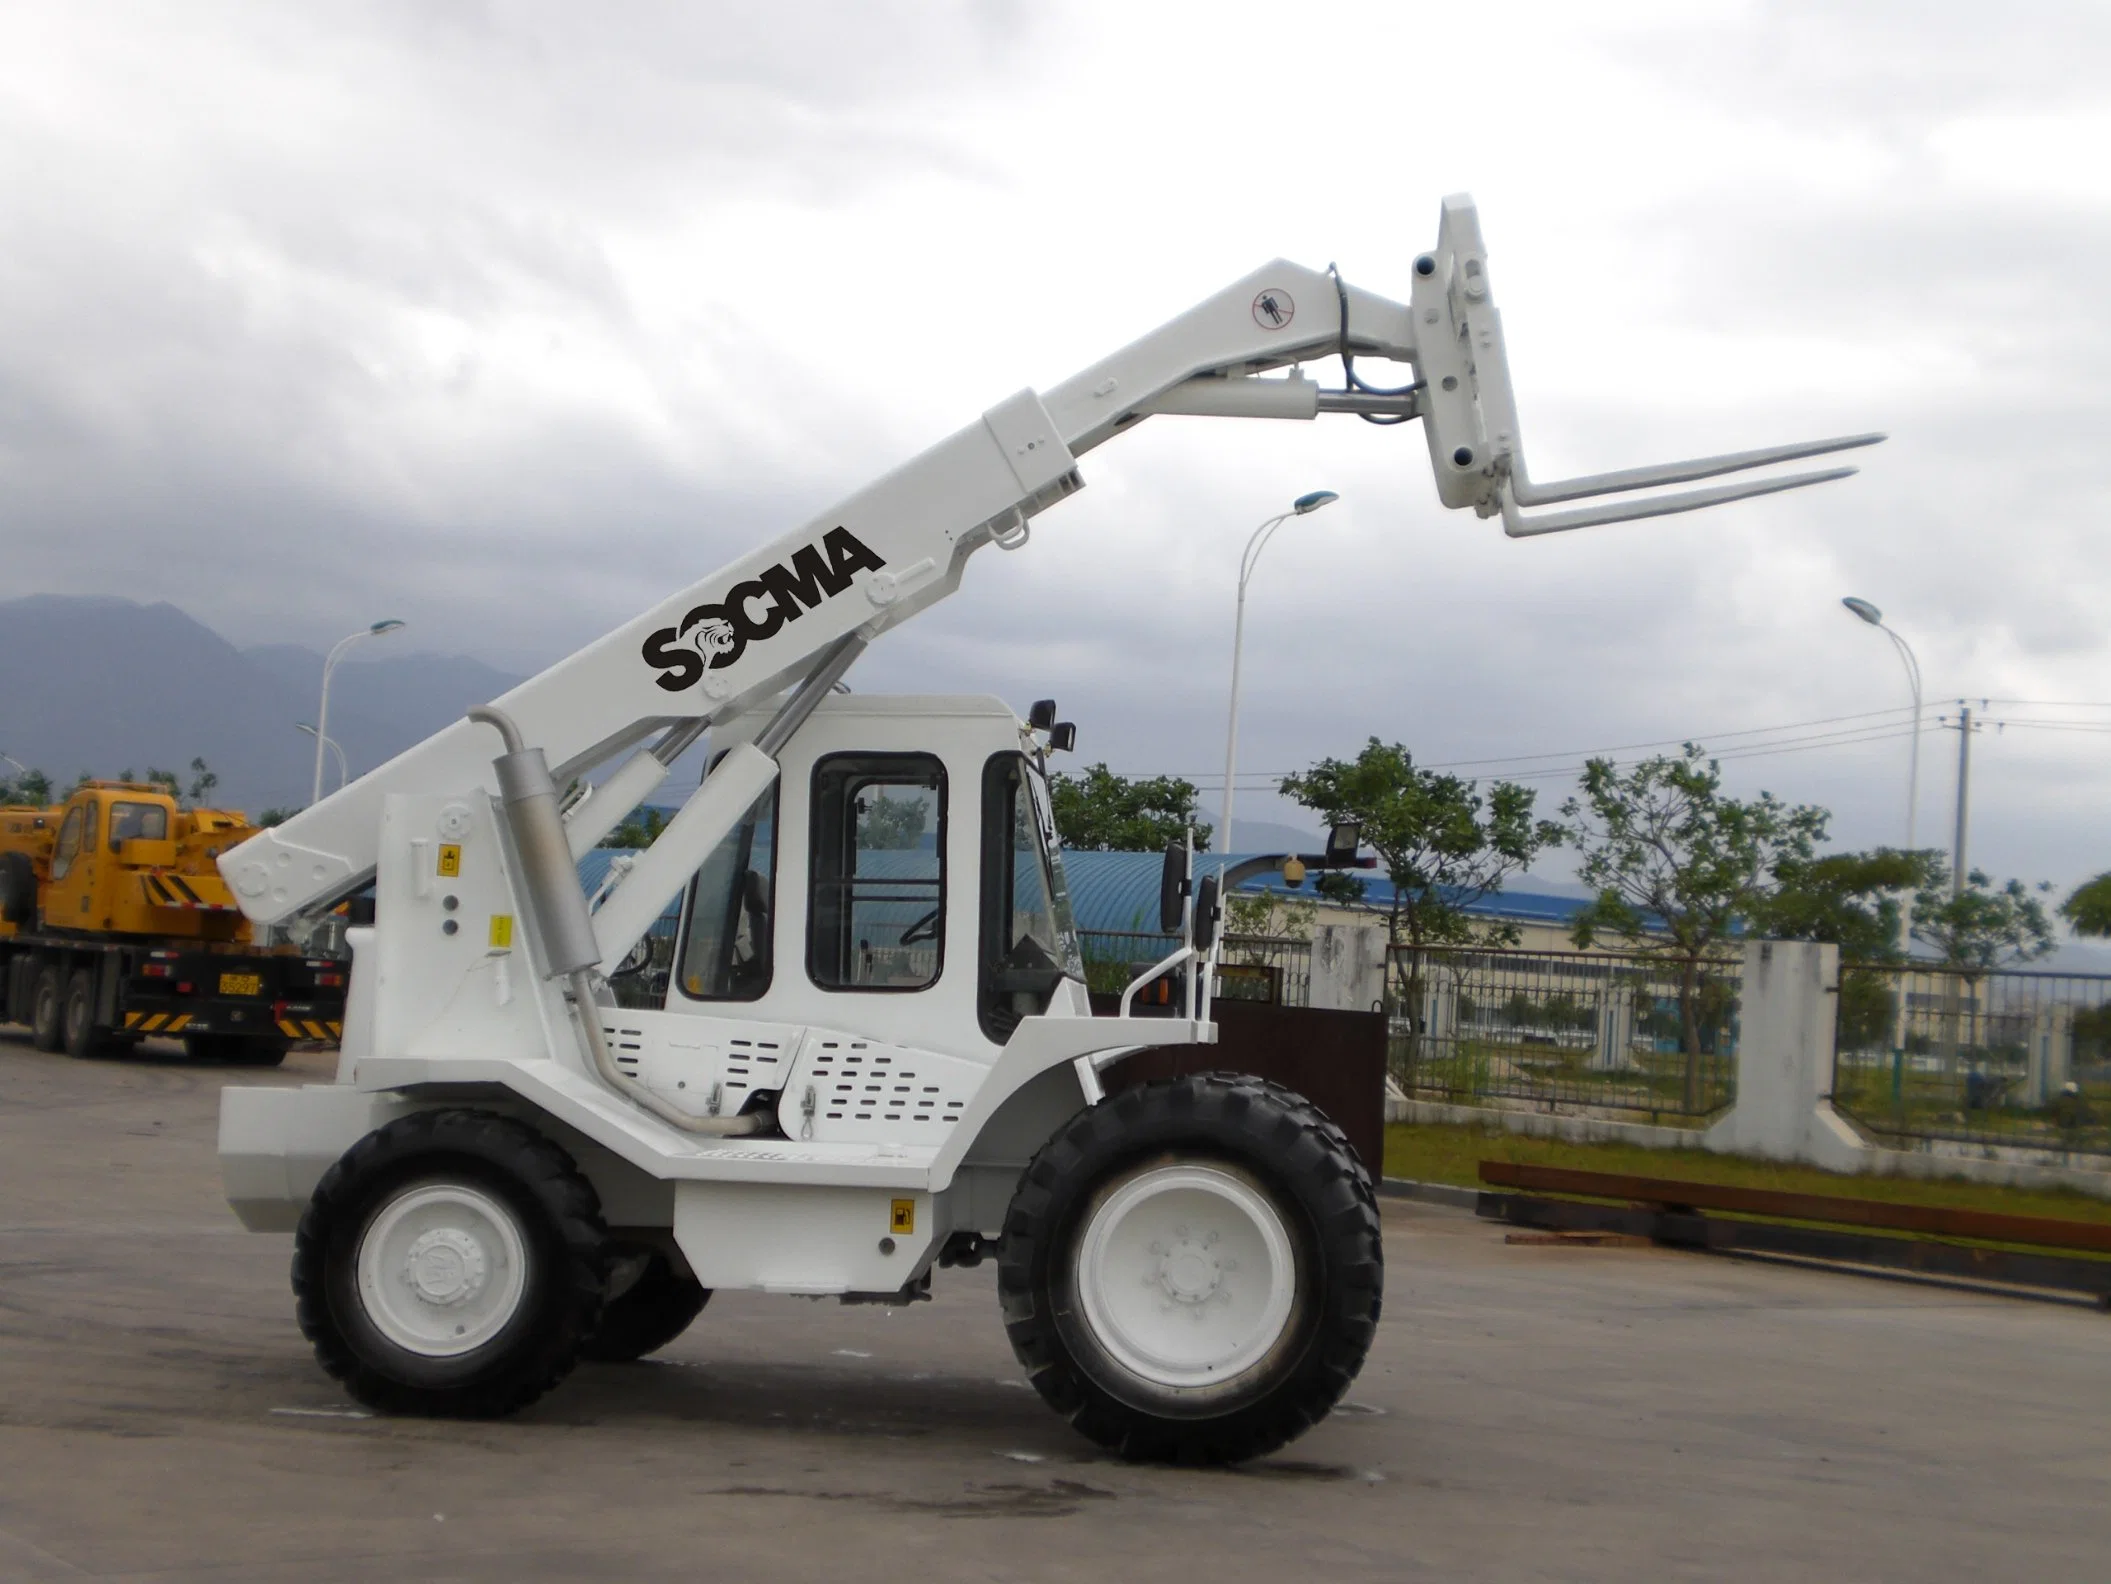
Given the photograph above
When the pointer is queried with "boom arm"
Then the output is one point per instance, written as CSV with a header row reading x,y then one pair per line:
x,y
899,545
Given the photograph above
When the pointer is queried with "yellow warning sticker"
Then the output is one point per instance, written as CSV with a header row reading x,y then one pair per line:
x,y
902,1218
502,932
450,860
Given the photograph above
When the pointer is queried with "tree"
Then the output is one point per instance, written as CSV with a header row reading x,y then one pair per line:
x,y
1848,898
1099,811
203,781
1678,867
2088,909
31,788
641,828
1981,927
1444,846
275,816
1269,913
890,824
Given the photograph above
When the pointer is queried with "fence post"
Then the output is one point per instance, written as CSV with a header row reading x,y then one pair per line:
x,y
1616,1030
1786,1026
1348,967
2051,1055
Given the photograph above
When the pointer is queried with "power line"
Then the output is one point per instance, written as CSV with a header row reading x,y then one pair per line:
x,y
1845,737
1677,742
1579,754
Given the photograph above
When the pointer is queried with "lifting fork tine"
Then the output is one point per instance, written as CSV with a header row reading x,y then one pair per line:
x,y
1527,493
1519,526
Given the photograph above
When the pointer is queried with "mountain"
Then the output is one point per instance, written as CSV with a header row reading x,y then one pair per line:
x,y
417,693
107,685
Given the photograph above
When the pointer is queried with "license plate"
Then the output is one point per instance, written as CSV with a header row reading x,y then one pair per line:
x,y
241,984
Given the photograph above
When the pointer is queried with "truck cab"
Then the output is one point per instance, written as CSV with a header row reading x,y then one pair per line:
x,y
898,885
115,925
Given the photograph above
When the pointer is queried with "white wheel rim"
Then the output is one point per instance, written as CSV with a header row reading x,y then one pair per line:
x,y
1186,1275
442,1269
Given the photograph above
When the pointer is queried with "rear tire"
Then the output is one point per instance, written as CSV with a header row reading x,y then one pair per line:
x,y
1192,1271
451,1264
647,1315
82,1038
47,1008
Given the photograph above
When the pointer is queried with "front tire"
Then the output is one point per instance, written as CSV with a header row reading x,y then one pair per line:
x,y
451,1264
647,1315
1192,1270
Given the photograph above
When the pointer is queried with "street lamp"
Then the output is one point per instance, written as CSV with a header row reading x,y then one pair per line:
x,y
322,712
1300,507
335,747
1870,614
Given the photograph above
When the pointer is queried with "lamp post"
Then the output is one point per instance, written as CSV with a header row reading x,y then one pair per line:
x,y
335,747
322,711
1302,506
1870,614
1875,618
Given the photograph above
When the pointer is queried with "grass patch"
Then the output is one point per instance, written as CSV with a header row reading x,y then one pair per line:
x,y
1431,1152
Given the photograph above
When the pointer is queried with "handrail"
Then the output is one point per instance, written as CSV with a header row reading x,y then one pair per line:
x,y
1128,996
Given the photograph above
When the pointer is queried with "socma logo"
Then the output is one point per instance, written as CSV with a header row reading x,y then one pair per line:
x,y
712,637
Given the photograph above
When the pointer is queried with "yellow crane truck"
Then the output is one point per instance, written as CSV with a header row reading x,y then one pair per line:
x,y
115,925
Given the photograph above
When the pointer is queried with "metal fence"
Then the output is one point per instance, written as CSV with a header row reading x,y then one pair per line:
x,y
1250,967
2002,1057
1603,1031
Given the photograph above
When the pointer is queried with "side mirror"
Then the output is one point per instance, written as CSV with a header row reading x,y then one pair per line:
x,y
1062,736
1042,715
1206,913
1172,887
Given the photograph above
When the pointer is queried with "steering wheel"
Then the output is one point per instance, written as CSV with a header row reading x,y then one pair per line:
x,y
924,928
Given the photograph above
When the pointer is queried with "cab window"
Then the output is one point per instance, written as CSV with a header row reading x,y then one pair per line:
x,y
1029,943
876,920
69,843
138,822
726,938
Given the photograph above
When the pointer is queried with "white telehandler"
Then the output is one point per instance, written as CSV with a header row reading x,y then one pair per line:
x,y
875,1054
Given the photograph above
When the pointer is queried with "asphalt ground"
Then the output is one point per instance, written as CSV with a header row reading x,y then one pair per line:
x,y
1528,1412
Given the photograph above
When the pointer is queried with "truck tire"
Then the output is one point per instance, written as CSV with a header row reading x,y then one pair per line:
x,y
1191,1269
450,1264
647,1315
47,1007
18,889
79,1034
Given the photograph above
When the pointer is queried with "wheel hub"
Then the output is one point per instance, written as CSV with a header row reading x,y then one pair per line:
x,y
1186,1274
446,1266
1188,1269
442,1268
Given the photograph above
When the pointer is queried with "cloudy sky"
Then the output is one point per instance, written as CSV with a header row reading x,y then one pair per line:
x,y
508,319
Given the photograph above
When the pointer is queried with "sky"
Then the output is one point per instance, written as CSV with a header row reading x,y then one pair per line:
x,y
507,320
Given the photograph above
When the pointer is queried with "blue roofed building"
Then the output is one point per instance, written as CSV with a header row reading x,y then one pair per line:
x,y
1117,893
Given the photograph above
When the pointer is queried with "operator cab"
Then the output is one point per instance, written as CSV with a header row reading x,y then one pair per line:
x,y
901,878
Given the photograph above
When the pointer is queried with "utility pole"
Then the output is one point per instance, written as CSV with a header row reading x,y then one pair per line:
x,y
1964,728
1964,792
